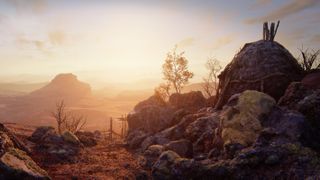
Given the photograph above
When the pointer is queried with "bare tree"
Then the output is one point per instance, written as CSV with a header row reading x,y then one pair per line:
x,y
210,85
175,70
75,123
309,59
60,115
67,121
163,91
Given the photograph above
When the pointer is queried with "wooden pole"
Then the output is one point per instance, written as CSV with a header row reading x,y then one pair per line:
x,y
267,32
276,30
111,130
264,31
272,31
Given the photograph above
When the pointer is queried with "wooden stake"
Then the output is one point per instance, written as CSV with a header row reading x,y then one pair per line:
x,y
275,32
111,130
272,31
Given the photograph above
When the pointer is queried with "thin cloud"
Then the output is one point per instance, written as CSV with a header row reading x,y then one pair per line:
x,y
222,41
57,37
186,42
284,11
261,3
2,17
39,45
315,38
37,6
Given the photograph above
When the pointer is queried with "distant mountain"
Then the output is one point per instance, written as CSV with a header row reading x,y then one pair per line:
x,y
64,86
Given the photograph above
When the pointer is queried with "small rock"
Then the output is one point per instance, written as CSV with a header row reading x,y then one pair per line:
x,y
70,137
272,159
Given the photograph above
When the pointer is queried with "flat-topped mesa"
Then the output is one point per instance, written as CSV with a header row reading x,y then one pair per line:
x,y
269,34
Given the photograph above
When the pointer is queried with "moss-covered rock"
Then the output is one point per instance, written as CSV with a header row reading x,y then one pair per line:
x,y
244,123
16,164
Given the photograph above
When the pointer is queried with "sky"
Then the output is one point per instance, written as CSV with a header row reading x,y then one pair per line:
x,y
127,41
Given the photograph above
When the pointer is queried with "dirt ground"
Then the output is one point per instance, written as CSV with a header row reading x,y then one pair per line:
x,y
104,161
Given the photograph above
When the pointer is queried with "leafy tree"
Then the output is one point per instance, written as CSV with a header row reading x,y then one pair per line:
x,y
210,85
163,91
175,70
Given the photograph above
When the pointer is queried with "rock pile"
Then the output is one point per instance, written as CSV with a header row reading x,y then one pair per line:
x,y
14,161
64,146
265,124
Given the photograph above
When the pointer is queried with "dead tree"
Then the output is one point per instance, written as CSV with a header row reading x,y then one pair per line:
x,y
309,59
269,34
60,115
75,123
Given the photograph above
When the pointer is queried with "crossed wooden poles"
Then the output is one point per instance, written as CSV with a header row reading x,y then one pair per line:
x,y
269,34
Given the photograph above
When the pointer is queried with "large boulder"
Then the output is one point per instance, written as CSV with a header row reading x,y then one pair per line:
x,y
150,118
264,66
182,147
242,122
312,80
192,101
135,138
151,101
41,133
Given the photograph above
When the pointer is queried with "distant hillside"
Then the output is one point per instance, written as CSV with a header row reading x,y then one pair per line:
x,y
65,86
13,89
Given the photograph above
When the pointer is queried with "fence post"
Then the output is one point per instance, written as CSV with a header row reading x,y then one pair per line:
x,y
111,130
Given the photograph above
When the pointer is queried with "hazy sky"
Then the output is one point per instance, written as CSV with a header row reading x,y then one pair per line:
x,y
127,41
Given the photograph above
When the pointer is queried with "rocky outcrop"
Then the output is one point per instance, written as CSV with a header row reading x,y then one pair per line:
x,y
14,162
305,97
250,136
191,101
